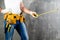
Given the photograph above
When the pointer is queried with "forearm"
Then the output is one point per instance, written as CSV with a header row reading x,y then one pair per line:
x,y
25,10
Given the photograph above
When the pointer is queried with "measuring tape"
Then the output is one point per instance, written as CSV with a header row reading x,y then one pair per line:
x,y
48,12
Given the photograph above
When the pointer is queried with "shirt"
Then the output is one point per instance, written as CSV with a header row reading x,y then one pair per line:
x,y
12,6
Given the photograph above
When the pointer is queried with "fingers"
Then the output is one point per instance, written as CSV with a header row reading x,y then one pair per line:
x,y
35,15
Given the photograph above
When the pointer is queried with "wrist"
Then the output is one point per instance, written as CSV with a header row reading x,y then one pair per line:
x,y
31,13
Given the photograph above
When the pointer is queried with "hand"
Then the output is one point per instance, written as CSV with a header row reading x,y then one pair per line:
x,y
0,9
34,14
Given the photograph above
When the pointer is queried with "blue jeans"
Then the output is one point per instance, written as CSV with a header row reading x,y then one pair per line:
x,y
21,29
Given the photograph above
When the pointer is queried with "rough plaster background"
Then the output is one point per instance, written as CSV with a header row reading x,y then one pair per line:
x,y
45,27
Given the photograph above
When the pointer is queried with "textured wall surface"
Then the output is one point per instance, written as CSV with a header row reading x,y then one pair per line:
x,y
45,27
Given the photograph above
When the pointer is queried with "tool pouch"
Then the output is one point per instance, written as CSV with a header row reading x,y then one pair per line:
x,y
11,19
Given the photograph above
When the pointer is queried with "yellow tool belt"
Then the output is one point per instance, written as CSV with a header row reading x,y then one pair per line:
x,y
12,18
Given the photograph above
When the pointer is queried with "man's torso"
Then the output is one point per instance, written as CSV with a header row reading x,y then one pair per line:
x,y
13,5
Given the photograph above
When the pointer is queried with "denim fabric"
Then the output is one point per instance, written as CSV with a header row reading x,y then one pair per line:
x,y
21,29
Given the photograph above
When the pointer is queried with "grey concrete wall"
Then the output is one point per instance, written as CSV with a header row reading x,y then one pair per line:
x,y
45,27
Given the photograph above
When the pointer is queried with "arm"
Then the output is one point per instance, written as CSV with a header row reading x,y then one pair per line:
x,y
24,9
